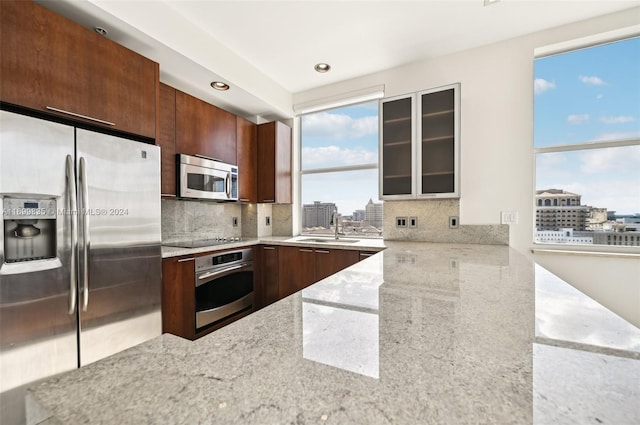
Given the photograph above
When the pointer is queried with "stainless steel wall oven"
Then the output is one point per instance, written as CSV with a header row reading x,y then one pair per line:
x,y
223,285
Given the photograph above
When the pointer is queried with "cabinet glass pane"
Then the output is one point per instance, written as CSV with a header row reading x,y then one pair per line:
x,y
438,142
396,145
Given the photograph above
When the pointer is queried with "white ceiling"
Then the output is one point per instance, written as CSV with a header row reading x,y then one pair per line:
x,y
267,49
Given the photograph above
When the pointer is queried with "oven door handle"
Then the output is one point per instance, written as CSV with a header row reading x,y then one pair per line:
x,y
207,277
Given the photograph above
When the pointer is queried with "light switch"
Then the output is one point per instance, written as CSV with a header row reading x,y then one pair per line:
x,y
509,217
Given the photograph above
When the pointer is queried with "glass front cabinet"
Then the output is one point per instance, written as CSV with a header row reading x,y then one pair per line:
x,y
420,144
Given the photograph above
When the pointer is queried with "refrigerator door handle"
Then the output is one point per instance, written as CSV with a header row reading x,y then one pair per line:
x,y
73,214
86,212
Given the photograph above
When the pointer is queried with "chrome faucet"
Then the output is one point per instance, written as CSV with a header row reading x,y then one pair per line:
x,y
335,220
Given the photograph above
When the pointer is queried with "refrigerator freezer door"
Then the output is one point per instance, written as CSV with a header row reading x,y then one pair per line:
x,y
38,336
119,234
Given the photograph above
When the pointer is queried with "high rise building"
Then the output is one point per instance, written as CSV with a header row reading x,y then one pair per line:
x,y
358,215
317,214
373,214
559,209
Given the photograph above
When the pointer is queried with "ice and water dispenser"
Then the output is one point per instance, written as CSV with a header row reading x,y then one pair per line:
x,y
29,229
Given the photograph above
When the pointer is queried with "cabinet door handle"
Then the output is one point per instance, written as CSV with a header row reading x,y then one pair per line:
x,y
268,200
366,254
243,200
319,251
171,195
268,248
186,259
73,114
305,250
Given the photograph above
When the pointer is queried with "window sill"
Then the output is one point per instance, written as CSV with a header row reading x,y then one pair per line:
x,y
589,250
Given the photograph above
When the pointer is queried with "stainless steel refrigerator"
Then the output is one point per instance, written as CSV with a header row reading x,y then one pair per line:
x,y
80,261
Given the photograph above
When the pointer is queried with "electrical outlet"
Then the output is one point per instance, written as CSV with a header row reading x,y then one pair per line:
x,y
454,222
413,221
235,221
268,221
509,217
401,221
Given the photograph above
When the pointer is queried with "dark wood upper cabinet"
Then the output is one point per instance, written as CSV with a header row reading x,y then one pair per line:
x,y
49,61
204,129
274,163
247,145
167,139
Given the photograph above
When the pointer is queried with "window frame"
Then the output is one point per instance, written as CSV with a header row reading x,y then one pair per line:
x,y
322,170
561,48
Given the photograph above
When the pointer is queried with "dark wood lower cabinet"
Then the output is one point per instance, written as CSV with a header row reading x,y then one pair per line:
x,y
296,269
268,289
178,292
301,267
330,261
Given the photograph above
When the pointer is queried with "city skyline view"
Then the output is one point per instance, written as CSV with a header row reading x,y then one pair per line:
x,y
590,95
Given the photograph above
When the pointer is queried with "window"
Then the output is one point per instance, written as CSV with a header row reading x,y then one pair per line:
x,y
339,171
587,145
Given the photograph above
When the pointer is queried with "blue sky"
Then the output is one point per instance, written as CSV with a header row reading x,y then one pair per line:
x,y
588,95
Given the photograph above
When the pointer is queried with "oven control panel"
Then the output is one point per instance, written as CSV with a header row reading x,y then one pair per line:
x,y
223,259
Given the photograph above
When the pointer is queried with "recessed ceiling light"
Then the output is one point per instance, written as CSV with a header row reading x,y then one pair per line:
x,y
219,85
100,30
322,67
490,2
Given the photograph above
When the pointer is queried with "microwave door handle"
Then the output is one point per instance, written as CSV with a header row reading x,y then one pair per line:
x,y
73,214
227,183
84,189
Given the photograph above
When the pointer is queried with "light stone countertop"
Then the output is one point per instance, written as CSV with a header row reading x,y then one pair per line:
x,y
327,242
416,334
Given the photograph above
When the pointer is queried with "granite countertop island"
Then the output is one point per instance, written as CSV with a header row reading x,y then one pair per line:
x,y
416,334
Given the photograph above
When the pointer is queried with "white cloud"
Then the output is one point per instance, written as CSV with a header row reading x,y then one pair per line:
x,y
333,156
617,120
338,126
592,81
612,160
600,96
605,137
540,85
577,119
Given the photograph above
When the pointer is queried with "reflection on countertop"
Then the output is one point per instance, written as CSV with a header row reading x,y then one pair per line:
x,y
418,333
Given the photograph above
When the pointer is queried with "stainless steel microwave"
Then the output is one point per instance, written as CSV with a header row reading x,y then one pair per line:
x,y
206,178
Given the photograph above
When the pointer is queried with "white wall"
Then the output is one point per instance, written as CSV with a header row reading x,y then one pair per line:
x,y
613,282
496,117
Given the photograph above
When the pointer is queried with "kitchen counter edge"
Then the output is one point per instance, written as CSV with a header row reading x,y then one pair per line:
x,y
362,245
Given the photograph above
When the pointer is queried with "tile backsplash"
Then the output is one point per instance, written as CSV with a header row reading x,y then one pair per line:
x,y
187,220
191,220
433,223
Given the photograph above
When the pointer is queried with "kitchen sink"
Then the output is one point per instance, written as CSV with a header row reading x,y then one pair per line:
x,y
335,241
